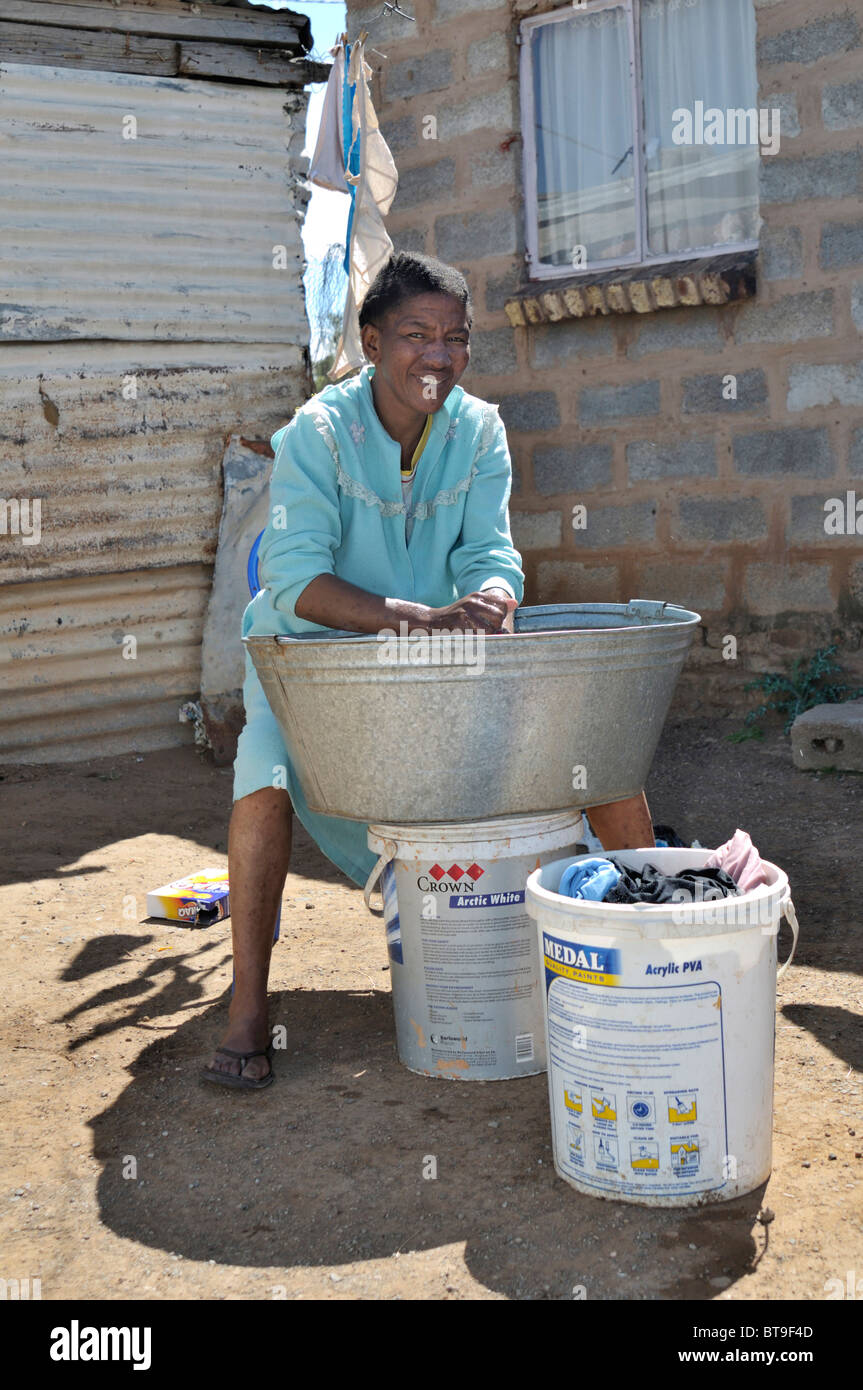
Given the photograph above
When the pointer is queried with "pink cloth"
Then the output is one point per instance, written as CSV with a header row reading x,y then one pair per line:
x,y
739,858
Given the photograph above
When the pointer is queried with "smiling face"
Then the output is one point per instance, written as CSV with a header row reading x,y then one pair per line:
x,y
419,351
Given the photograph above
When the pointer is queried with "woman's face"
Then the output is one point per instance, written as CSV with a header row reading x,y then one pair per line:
x,y
419,350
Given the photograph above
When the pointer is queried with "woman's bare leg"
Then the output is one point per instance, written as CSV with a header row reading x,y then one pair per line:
x,y
259,851
623,824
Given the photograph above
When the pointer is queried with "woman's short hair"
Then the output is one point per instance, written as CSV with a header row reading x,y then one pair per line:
x,y
407,274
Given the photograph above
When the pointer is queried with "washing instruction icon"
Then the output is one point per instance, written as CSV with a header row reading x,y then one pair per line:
x,y
576,1144
685,1155
682,1108
644,1155
572,1099
603,1105
605,1151
642,1109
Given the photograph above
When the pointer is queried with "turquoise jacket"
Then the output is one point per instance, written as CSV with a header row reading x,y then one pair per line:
x,y
336,508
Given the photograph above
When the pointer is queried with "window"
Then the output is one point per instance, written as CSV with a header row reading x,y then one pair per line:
x,y
641,133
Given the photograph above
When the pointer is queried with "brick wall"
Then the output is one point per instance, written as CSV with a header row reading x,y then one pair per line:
x,y
714,504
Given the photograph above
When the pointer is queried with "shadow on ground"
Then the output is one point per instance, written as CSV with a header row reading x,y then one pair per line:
x,y
339,1144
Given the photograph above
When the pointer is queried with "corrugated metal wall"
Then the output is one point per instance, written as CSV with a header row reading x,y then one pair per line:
x,y
144,324
166,235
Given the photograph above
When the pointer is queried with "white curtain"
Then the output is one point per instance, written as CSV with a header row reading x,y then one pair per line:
x,y
584,124
698,51
698,196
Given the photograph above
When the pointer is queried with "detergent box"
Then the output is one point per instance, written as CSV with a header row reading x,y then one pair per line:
x,y
197,900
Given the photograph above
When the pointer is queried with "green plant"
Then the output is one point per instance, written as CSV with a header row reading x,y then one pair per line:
x,y
801,688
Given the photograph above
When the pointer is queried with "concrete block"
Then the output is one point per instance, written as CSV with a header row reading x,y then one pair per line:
x,y
424,183
825,384
829,736
841,245
582,469
571,339
790,320
676,330
836,174
809,44
469,236
806,525
530,410
857,305
455,9
536,530
782,253
774,589
616,526
492,352
789,117
427,72
497,111
712,519
688,458
701,588
401,134
494,54
855,454
499,288
598,404
842,105
409,239
706,394
567,581
493,168
771,453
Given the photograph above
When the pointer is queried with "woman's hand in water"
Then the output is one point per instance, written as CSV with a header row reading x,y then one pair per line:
x,y
489,611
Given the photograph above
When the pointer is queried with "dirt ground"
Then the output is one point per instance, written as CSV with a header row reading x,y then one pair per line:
x,y
125,1178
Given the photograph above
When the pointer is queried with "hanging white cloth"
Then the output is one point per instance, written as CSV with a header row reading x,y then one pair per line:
x,y
327,167
375,184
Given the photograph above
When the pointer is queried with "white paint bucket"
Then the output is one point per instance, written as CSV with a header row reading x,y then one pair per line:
x,y
660,1026
463,952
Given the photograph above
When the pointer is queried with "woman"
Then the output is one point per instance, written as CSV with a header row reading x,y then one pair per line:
x,y
388,504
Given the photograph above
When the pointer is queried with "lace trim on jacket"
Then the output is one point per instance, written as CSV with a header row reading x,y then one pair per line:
x,y
423,510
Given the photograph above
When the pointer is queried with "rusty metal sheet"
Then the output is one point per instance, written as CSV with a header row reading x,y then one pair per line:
x,y
73,686
121,482
149,208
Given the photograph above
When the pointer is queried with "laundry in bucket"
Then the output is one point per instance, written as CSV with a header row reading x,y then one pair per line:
x,y
607,880
649,885
590,879
739,858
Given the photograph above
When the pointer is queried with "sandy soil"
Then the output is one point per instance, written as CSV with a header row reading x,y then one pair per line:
x,y
124,1178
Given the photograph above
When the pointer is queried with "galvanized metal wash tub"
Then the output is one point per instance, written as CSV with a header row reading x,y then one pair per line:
x,y
565,712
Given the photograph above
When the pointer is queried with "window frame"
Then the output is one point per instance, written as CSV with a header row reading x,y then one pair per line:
x,y
640,258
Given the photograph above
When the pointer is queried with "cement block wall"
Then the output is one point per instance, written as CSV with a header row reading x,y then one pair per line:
x,y
718,505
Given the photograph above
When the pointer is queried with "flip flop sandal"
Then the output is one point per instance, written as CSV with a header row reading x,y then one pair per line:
x,y
240,1082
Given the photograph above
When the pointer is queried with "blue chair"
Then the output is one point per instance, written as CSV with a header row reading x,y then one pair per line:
x,y
254,588
252,566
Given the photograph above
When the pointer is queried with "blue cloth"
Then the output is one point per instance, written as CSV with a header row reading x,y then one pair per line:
x,y
336,507
351,148
590,879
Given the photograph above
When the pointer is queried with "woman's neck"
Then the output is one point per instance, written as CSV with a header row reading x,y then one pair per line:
x,y
401,423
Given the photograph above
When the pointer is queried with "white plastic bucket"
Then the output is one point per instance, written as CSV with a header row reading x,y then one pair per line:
x,y
660,1026
463,951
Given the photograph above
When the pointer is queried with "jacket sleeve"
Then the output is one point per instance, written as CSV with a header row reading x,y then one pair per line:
x,y
485,551
304,527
